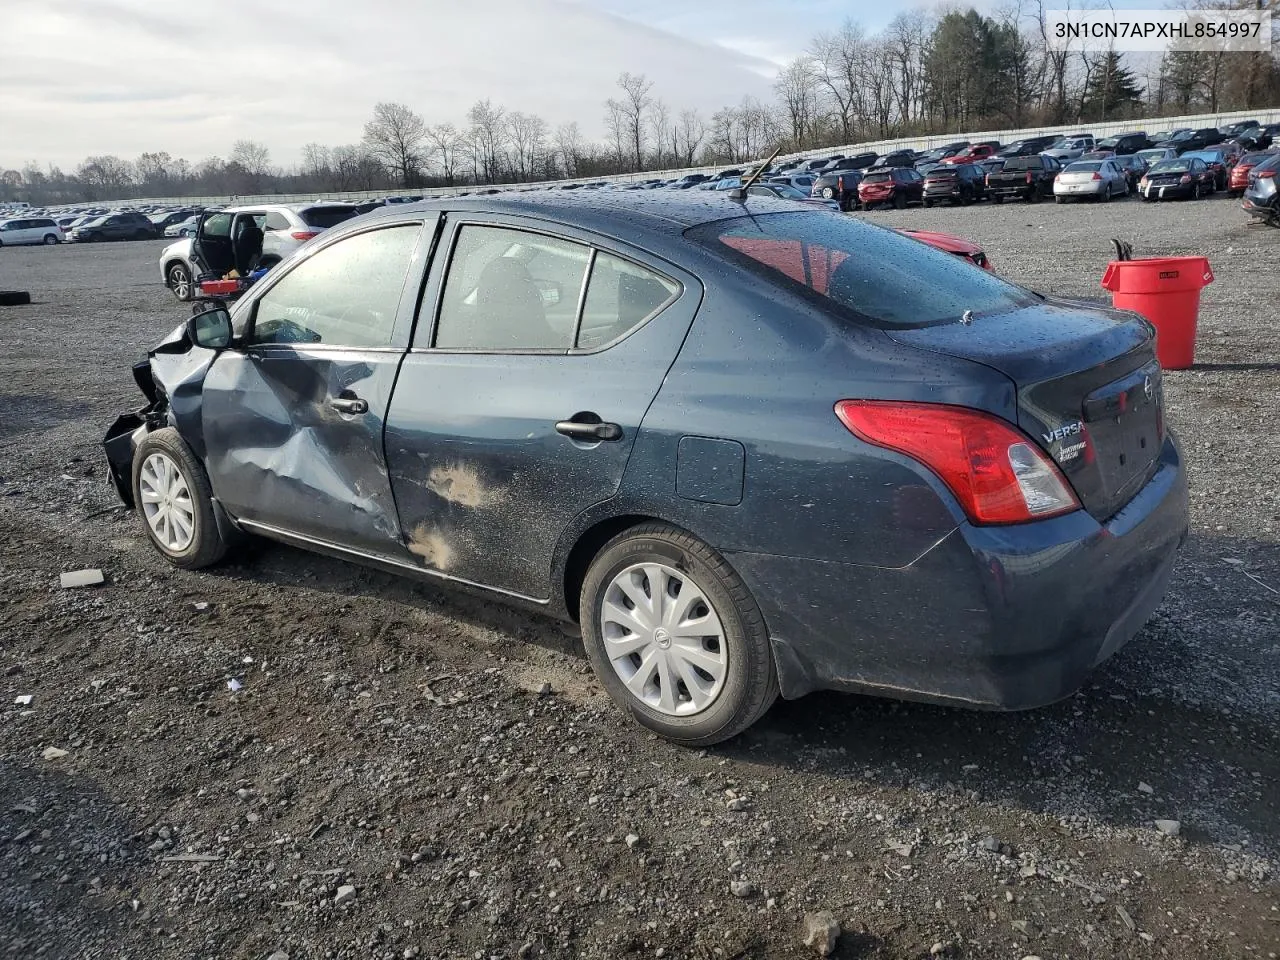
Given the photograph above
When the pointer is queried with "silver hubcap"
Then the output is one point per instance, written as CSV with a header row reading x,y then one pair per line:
x,y
181,285
166,503
664,639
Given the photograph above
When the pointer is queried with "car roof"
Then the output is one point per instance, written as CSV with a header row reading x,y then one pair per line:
x,y
612,213
291,207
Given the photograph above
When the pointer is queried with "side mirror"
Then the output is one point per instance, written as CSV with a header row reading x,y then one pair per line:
x,y
210,329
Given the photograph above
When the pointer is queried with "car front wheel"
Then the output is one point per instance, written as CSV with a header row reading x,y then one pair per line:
x,y
675,636
172,494
50,239
179,278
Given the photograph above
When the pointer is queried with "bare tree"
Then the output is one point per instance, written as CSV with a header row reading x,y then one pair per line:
x,y
254,157
660,127
569,147
528,136
835,57
488,137
446,144
628,111
394,136
797,90
688,135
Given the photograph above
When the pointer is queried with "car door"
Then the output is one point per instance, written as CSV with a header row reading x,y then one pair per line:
x,y
536,354
211,245
293,414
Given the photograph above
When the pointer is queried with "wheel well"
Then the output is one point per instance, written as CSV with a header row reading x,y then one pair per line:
x,y
585,550
170,264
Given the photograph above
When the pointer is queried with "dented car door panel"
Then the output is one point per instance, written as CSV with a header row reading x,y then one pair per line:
x,y
486,469
280,453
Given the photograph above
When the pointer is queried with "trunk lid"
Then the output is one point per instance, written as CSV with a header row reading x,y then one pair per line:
x,y
1088,388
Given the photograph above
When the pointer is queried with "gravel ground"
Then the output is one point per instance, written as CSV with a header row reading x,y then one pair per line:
x,y
390,782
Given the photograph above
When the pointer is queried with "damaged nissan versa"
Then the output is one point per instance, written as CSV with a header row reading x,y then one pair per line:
x,y
752,449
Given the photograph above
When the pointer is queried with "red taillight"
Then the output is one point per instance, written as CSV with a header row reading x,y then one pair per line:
x,y
304,234
991,467
1097,176
1028,176
1265,174
1185,178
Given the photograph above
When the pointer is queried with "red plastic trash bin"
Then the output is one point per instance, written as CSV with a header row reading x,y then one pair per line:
x,y
1165,290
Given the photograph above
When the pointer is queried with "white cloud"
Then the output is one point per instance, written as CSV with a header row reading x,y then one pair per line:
x,y
127,76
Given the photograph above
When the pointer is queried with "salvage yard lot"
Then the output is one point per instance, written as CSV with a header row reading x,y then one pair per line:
x,y
395,739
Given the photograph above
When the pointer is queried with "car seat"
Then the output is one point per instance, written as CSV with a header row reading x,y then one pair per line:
x,y
509,309
248,248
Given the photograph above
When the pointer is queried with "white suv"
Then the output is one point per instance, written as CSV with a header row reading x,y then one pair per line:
x,y
245,239
27,230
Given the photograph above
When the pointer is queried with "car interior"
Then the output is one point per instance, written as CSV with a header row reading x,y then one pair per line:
x,y
231,241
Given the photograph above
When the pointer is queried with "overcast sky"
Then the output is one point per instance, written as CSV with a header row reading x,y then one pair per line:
x,y
127,76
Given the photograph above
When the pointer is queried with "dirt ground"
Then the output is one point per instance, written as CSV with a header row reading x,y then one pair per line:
x,y
391,738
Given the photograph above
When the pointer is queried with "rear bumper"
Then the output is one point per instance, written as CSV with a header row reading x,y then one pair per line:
x,y
1003,618
1262,211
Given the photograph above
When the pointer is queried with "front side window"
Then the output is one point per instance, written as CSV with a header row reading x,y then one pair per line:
x,y
511,290
865,272
346,294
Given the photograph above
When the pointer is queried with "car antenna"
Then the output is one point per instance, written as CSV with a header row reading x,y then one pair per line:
x,y
740,192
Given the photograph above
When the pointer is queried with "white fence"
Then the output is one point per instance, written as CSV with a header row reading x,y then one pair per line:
x,y
1109,128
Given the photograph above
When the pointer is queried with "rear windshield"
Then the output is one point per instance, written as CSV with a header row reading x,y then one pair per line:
x,y
325,217
1172,166
868,273
878,177
1023,163
1083,167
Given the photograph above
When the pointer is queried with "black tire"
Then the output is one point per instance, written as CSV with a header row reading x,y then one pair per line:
x,y
1105,196
50,239
178,279
900,201
1057,199
828,193
751,683
928,203
1195,191
142,235
14,298
997,199
207,546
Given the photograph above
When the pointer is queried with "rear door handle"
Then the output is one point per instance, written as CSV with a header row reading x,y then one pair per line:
x,y
349,405
580,430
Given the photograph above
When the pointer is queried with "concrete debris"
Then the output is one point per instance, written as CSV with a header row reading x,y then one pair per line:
x,y
345,892
822,932
82,578
53,753
1170,828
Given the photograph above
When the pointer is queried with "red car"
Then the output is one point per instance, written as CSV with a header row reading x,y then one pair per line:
x,y
1239,179
949,244
891,185
979,151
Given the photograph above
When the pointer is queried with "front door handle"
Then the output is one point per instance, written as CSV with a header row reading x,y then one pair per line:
x,y
349,404
581,430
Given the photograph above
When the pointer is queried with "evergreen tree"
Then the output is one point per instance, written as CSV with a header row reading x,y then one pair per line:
x,y
1112,89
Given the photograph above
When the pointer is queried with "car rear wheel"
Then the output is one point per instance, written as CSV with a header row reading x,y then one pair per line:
x,y
997,199
900,201
828,193
1105,196
928,203
179,278
1195,191
50,239
175,501
141,235
675,636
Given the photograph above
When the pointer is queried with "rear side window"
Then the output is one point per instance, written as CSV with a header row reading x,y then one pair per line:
x,y
276,221
326,217
218,225
621,296
865,272
511,290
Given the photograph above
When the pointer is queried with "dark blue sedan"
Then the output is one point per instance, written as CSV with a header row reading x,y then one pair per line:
x,y
752,448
